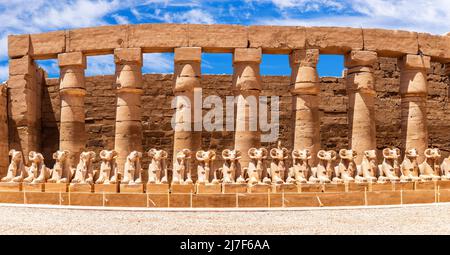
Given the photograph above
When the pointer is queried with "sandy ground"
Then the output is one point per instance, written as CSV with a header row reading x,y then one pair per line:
x,y
426,219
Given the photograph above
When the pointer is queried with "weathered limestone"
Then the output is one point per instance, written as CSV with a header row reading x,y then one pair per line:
x,y
187,133
4,144
305,90
24,104
72,91
414,90
362,94
128,133
390,43
247,88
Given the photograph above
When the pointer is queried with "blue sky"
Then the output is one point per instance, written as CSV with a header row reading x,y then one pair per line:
x,y
19,16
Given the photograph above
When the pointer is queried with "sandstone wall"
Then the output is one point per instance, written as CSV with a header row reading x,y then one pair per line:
x,y
157,111
4,148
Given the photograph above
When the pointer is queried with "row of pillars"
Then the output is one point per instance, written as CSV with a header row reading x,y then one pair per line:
x,y
305,85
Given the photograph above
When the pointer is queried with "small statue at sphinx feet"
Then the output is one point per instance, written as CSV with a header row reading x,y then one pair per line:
x,y
181,173
231,167
157,170
278,166
300,171
256,170
133,170
205,167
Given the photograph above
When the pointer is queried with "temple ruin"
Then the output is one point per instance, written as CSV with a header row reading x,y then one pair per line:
x,y
376,135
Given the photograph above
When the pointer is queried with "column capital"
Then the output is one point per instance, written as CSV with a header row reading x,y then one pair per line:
x,y
188,54
360,58
415,62
247,55
306,57
72,59
128,55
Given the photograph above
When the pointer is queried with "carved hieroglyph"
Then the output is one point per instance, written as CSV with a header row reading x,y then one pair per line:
x,y
256,170
16,169
72,91
278,166
205,167
361,93
305,85
324,172
61,172
108,167
84,173
430,168
157,170
187,62
390,168
247,88
132,173
414,91
37,172
231,169
409,167
368,170
346,169
181,173
128,131
300,170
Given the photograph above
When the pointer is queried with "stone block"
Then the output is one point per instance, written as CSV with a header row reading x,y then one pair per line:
x,y
381,186
383,198
182,188
416,62
353,186
436,46
231,188
277,39
80,187
418,197
332,187
131,188
158,37
334,40
21,66
159,188
214,200
97,40
390,43
247,55
10,186
126,55
403,186
56,187
188,54
259,188
360,58
11,197
312,187
443,184
208,188
86,199
18,45
428,185
126,200
285,188
48,45
33,187
106,188
217,38
72,59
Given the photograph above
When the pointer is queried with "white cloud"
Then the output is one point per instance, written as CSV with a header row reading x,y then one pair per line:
x,y
158,63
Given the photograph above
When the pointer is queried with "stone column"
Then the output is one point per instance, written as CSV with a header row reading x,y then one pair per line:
x,y
305,90
362,94
128,130
72,134
24,105
247,88
414,91
4,144
187,62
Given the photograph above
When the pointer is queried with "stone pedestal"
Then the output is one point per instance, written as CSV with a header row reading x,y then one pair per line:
x,y
33,187
106,188
232,188
56,187
414,91
381,186
311,187
285,188
188,107
334,187
78,187
128,131
353,186
208,188
131,188
443,184
305,88
10,186
72,136
362,94
157,188
182,188
259,188
247,88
